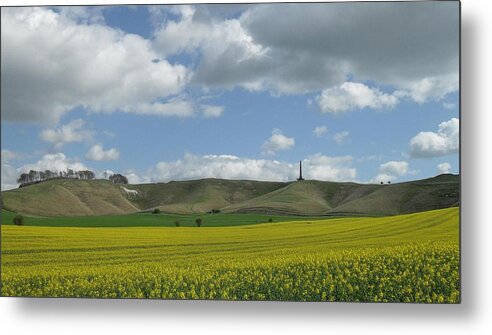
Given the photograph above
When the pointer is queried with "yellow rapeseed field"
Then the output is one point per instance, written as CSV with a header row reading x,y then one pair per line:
x,y
407,258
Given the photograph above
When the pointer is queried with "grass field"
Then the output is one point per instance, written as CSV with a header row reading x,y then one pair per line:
x,y
409,258
72,197
152,220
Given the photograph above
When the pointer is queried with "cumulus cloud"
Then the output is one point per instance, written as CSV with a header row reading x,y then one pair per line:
x,y
210,111
410,42
340,137
390,171
9,177
444,167
433,144
8,155
277,142
134,178
97,153
351,96
320,131
71,132
448,105
328,168
232,167
413,47
79,64
54,162
397,168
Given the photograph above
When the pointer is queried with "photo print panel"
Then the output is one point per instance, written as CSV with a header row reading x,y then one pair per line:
x,y
270,151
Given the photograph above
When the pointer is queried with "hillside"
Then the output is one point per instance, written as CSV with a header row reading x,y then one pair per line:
x,y
68,197
310,197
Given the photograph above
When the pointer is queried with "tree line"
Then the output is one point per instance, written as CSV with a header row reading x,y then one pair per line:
x,y
34,176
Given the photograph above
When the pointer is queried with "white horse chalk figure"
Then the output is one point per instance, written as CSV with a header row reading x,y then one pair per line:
x,y
130,193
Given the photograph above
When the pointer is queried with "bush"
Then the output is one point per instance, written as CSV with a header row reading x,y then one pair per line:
x,y
18,220
177,223
156,211
199,222
270,220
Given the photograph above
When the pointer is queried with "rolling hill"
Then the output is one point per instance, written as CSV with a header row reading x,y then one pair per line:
x,y
71,197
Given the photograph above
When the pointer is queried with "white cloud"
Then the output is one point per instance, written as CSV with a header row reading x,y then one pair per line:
x,y
414,46
233,167
97,153
351,96
433,88
71,132
320,131
9,177
328,168
8,155
444,167
431,144
277,142
173,107
210,111
396,168
79,64
340,137
54,162
448,105
390,171
134,178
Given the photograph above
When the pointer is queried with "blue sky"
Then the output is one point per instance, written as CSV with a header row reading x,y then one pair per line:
x,y
165,93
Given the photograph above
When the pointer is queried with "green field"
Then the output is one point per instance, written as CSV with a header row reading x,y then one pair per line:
x,y
152,220
409,258
72,197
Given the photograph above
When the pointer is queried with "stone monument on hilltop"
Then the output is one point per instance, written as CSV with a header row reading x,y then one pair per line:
x,y
300,171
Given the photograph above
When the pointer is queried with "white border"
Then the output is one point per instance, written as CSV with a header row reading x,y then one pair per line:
x,y
473,316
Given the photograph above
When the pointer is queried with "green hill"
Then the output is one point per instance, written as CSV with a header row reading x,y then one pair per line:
x,y
68,197
309,197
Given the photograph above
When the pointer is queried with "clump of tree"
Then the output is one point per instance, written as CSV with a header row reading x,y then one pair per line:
x,y
214,211
156,211
118,179
199,222
18,220
270,220
34,176
177,223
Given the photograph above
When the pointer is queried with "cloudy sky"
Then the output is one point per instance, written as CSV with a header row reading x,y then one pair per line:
x,y
362,92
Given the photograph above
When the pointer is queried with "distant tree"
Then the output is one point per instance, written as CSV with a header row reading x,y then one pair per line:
x,y
89,175
18,220
32,175
177,223
215,211
198,222
24,178
50,174
42,175
382,183
70,173
389,181
156,211
118,179
270,220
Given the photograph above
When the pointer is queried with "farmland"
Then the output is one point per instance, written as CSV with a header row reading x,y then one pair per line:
x,y
152,220
408,258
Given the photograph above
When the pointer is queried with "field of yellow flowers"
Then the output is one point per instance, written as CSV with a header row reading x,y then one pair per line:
x,y
406,258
